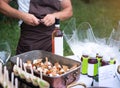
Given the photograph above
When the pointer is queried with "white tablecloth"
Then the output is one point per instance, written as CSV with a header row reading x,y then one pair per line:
x,y
115,83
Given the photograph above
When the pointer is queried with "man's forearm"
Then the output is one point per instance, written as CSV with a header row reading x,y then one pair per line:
x,y
9,11
64,14
29,19
66,11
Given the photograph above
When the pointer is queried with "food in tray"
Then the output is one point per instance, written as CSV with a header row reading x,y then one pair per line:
x,y
48,68
42,67
29,77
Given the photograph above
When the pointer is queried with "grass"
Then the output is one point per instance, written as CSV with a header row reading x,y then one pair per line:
x,y
9,32
103,15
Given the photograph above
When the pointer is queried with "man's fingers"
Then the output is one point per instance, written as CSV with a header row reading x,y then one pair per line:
x,y
48,22
36,22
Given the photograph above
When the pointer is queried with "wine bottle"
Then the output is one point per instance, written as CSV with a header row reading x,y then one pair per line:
x,y
57,39
92,66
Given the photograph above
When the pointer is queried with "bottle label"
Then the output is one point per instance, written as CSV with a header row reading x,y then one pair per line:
x,y
92,69
112,61
58,46
99,61
84,65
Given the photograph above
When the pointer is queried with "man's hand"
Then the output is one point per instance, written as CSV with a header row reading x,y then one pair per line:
x,y
30,19
48,20
6,9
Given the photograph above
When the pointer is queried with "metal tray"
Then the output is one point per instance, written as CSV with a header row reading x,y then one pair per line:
x,y
55,82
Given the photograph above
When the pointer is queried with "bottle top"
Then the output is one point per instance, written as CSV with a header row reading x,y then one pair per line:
x,y
57,22
92,61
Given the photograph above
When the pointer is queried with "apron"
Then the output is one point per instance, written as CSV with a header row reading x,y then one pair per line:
x,y
38,37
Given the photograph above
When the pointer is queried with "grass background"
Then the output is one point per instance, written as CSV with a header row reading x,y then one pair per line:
x,y
103,15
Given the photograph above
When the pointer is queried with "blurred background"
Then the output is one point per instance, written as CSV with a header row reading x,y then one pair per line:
x,y
103,16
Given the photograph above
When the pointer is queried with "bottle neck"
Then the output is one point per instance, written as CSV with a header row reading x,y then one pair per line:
x,y
57,25
57,32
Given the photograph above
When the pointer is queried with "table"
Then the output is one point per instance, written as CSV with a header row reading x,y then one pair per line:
x,y
113,83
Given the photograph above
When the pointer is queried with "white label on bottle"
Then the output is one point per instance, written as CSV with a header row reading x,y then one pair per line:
x,y
91,69
58,45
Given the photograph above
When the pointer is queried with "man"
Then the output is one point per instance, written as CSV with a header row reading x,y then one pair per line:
x,y
37,18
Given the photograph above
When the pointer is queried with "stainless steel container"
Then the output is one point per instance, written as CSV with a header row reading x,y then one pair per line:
x,y
55,82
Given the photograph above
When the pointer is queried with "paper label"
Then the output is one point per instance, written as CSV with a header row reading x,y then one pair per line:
x,y
84,66
91,69
107,77
58,45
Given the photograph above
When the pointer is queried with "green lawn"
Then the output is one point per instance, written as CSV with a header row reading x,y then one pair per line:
x,y
103,15
9,32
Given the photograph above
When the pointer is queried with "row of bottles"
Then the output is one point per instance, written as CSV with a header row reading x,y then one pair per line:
x,y
57,39
90,64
